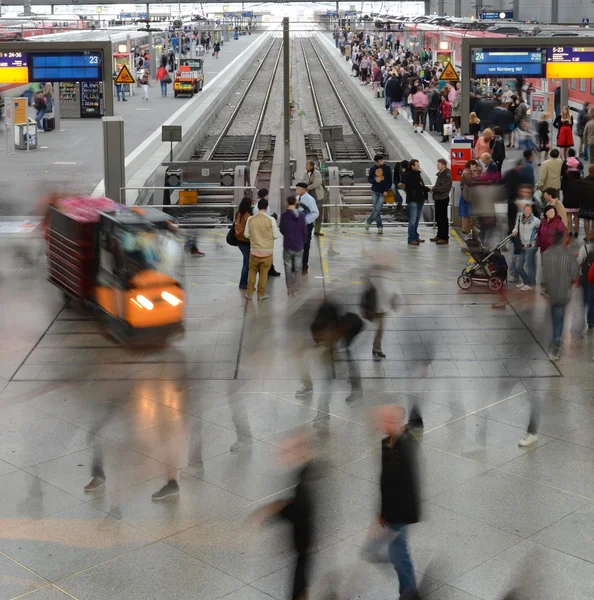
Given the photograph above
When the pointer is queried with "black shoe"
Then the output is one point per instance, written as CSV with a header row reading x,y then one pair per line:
x,y
318,233
434,239
171,488
273,274
354,396
305,270
378,353
575,234
243,287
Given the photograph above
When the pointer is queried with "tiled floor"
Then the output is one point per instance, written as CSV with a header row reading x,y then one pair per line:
x,y
494,514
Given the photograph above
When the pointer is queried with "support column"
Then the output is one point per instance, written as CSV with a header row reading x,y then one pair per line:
x,y
564,92
516,10
114,167
457,8
427,7
152,56
554,11
440,8
27,7
479,8
287,108
465,94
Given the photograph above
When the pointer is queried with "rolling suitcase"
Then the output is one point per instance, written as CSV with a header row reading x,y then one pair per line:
x,y
49,123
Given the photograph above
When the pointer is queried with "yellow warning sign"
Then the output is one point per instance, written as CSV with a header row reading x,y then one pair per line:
x,y
124,76
449,73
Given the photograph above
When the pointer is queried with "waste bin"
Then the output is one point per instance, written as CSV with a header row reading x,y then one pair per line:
x,y
20,136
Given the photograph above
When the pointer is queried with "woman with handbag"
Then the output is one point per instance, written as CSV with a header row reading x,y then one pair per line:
x,y
163,78
525,247
243,214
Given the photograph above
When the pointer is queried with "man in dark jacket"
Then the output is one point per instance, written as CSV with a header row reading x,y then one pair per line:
x,y
416,194
399,493
583,117
294,230
380,178
433,110
441,197
394,91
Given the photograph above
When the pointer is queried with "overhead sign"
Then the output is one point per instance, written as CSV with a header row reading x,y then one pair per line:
x,y
143,15
495,15
449,74
124,76
13,67
248,14
508,62
66,66
125,15
329,13
585,21
570,63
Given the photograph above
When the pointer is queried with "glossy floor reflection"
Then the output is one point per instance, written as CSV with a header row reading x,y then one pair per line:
x,y
211,412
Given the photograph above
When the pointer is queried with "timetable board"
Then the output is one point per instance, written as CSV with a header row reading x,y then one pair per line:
x,y
28,67
504,62
570,62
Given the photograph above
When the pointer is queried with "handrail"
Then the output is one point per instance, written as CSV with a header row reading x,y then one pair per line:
x,y
210,153
213,187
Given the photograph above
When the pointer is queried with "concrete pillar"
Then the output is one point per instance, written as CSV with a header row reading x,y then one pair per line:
x,y
516,10
27,7
554,11
440,7
114,166
427,7
457,8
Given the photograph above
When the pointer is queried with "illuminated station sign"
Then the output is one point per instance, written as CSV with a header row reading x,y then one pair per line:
x,y
525,62
27,67
570,63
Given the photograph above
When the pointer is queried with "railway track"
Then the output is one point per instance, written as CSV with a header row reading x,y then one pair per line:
x,y
353,146
232,144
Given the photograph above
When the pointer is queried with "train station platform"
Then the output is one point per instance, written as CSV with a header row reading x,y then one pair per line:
x,y
212,410
71,159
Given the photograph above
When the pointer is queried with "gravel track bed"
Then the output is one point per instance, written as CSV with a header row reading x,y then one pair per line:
x,y
245,121
357,115
235,96
302,97
332,113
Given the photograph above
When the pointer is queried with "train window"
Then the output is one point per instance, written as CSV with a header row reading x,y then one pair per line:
x,y
582,85
592,86
573,84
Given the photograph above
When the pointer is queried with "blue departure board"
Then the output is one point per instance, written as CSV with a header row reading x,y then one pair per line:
x,y
504,62
66,66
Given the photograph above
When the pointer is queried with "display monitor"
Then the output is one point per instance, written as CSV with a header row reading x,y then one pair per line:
x,y
570,63
504,62
66,66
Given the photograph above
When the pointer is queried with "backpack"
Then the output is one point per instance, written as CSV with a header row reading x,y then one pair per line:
x,y
369,302
587,265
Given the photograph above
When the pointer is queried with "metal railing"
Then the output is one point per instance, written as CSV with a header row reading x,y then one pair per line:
x,y
337,222
186,187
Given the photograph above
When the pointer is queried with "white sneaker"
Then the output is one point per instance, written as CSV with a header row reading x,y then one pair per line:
x,y
526,288
520,285
367,227
528,440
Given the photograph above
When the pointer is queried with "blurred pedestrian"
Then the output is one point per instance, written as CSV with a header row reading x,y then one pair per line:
x,y
497,146
583,117
216,49
298,510
589,135
163,78
483,144
265,195
571,171
585,261
465,204
399,488
244,212
560,272
585,192
525,230
544,140
441,198
549,175
261,230
550,197
380,178
307,205
145,82
294,230
416,194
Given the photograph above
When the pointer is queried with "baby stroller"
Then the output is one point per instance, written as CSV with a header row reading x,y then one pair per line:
x,y
487,266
